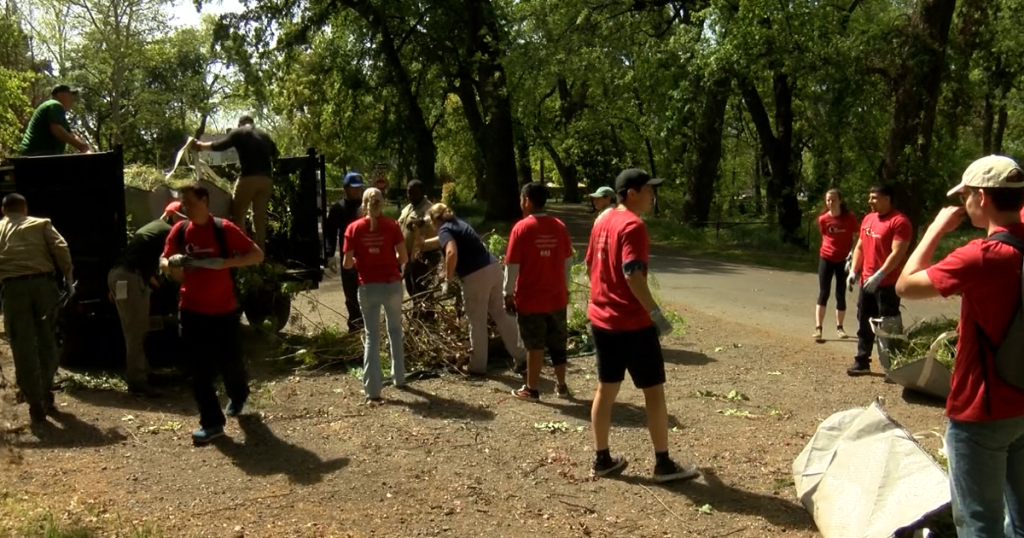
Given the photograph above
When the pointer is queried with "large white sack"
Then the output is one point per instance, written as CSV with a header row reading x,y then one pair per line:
x,y
864,476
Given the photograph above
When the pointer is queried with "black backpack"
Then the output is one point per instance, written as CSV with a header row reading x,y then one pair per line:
x,y
1009,357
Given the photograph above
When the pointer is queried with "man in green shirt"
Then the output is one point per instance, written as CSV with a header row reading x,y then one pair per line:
x,y
130,284
48,132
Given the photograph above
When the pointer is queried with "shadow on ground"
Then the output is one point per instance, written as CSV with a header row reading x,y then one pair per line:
x,y
439,407
264,454
64,430
710,490
684,357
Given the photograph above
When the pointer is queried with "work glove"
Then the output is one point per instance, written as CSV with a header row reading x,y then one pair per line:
x,y
510,305
446,289
70,284
178,261
209,263
661,323
332,264
871,284
851,281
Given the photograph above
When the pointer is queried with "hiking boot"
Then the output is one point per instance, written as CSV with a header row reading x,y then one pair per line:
x,y
841,333
234,409
817,334
526,393
143,389
562,390
37,412
605,467
859,368
204,436
670,471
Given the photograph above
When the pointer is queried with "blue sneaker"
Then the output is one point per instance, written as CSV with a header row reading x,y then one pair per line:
x,y
234,409
203,436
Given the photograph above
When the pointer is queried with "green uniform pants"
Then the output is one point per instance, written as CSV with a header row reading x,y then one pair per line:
x,y
29,306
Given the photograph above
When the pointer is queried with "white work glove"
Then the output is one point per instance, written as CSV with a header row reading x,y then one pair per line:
x,y
178,260
445,289
209,263
70,282
332,264
661,323
871,284
851,281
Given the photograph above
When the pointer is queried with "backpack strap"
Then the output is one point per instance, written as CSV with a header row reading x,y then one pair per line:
x,y
1007,238
220,237
179,236
985,345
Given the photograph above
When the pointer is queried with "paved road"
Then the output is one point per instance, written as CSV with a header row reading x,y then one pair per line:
x,y
772,299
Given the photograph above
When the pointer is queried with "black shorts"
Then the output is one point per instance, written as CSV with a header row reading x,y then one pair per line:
x,y
638,351
545,331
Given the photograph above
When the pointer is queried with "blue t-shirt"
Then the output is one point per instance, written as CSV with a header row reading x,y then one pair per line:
x,y
472,254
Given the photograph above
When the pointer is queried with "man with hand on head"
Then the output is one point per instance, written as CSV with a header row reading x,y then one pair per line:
x,y
131,282
342,213
877,261
28,248
626,325
205,248
985,434
538,266
48,132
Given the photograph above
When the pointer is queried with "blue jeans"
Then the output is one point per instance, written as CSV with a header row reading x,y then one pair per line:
x,y
986,468
371,298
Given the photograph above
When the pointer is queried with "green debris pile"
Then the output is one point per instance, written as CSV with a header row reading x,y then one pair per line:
x,y
921,337
148,178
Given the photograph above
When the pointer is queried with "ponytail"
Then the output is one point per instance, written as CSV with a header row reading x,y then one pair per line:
x,y
441,212
373,206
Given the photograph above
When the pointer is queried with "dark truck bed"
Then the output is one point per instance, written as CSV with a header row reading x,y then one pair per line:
x,y
83,195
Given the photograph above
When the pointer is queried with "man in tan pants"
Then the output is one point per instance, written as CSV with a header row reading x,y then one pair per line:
x,y
256,155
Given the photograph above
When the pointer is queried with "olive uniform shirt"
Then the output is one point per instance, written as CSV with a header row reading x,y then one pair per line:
x,y
29,246
412,214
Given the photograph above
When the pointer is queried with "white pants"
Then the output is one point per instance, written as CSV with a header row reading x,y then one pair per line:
x,y
482,295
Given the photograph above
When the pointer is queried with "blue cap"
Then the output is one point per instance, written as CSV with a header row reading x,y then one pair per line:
x,y
353,179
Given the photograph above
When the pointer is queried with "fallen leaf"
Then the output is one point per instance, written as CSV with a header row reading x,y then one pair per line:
x,y
719,349
128,418
706,509
775,373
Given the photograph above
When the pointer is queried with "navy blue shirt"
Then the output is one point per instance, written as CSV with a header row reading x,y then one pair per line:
x,y
472,254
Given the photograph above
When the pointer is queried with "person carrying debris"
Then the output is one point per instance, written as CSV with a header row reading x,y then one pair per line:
x,y
342,213
626,324
538,265
28,248
466,256
877,261
131,281
48,132
375,248
256,155
201,251
985,433
603,200
413,225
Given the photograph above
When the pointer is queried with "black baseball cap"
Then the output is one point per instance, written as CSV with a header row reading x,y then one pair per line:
x,y
634,178
61,88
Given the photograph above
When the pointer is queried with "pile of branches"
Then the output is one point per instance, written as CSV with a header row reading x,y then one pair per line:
x,y
920,337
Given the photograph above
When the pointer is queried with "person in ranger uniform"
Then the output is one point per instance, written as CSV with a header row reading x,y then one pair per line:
x,y
28,248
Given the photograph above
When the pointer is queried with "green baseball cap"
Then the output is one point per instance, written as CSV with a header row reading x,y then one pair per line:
x,y
603,192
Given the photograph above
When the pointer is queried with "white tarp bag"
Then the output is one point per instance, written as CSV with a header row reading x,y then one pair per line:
x,y
864,476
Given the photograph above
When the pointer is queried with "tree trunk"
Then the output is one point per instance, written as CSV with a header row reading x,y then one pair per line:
x,y
523,156
567,171
478,130
700,191
987,120
571,106
1002,118
917,89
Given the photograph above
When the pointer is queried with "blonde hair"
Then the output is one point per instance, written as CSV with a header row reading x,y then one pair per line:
x,y
373,205
440,212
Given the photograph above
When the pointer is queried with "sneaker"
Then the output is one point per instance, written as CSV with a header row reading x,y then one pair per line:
x,y
609,466
859,368
203,436
841,333
670,471
562,390
526,393
234,409
817,334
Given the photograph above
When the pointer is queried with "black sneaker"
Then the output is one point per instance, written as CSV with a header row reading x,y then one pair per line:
x,y
670,471
608,466
859,368
526,393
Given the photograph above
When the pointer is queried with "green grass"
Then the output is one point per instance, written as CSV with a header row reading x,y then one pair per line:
x,y
759,244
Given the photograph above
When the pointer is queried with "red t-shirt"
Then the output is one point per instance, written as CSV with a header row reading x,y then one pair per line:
x,y
836,235
876,237
540,244
987,276
618,237
207,291
376,260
